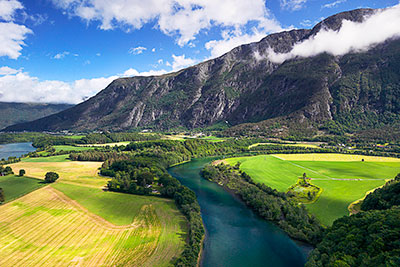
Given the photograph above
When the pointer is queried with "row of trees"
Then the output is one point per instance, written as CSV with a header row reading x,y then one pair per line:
x,y
270,204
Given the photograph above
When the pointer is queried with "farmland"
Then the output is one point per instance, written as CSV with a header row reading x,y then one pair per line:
x,y
73,148
15,186
48,227
74,172
343,178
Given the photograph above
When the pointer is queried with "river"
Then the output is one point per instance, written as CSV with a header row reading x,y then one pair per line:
x,y
235,236
15,150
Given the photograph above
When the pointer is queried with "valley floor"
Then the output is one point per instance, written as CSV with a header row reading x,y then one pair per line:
x,y
73,222
342,178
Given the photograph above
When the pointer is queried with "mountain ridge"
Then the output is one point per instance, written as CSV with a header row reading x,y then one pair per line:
x,y
238,87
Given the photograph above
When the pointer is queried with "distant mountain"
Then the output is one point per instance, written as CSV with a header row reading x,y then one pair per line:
x,y
12,113
355,91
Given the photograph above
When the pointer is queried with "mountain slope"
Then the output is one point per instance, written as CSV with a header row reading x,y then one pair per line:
x,y
12,113
244,86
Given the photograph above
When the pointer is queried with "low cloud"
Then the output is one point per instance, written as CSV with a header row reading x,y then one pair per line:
x,y
19,86
351,37
180,62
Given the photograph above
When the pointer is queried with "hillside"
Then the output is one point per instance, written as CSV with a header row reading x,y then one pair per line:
x,y
348,93
13,113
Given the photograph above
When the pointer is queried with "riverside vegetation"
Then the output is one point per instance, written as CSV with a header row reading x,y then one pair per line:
x,y
140,168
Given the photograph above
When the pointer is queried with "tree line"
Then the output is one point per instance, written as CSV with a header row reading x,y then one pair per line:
x,y
270,204
369,238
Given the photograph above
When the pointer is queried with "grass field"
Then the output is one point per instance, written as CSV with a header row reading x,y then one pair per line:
x,y
343,178
74,136
74,172
73,148
293,145
59,158
15,186
213,139
48,228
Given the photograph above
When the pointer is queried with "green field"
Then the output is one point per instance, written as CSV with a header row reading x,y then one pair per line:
x,y
75,136
117,208
73,148
92,228
59,158
213,139
16,186
341,180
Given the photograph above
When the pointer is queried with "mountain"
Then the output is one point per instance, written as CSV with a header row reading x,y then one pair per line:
x,y
352,92
12,113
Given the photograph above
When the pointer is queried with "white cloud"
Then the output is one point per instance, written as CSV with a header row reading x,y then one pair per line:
x,y
62,55
153,50
293,4
183,18
232,39
334,4
12,39
306,23
19,86
98,54
137,50
180,62
7,70
12,35
8,8
352,37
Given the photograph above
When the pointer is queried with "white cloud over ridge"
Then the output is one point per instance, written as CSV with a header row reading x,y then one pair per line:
x,y
12,35
183,18
351,37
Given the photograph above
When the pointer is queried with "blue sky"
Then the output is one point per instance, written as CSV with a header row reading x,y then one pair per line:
x,y
68,50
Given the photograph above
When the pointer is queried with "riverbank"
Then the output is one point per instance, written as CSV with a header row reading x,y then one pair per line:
x,y
233,231
270,204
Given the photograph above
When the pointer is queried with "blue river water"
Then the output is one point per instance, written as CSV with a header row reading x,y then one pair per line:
x,y
235,236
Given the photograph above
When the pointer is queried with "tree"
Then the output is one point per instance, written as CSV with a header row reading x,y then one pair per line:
x,y
21,172
51,177
2,196
145,178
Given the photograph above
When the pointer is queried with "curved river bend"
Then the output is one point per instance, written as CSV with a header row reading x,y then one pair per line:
x,y
235,235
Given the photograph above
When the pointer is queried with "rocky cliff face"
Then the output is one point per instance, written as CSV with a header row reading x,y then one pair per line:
x,y
244,86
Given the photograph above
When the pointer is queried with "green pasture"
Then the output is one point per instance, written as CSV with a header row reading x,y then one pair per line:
x,y
117,208
73,148
16,186
342,182
59,158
